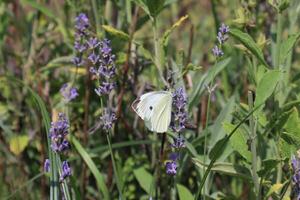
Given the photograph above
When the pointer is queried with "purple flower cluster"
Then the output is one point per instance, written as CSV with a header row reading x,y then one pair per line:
x,y
221,37
47,165
69,93
81,34
178,120
171,164
296,176
179,114
66,171
58,132
103,66
107,119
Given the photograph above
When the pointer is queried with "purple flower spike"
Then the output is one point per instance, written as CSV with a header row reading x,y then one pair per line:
x,y
171,168
93,58
224,28
105,88
178,142
217,51
66,171
93,43
77,61
58,132
68,93
82,22
179,114
47,165
107,119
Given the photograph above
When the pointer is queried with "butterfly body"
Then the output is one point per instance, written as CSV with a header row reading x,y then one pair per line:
x,y
155,109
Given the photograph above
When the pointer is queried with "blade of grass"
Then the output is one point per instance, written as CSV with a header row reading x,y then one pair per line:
x,y
90,163
54,185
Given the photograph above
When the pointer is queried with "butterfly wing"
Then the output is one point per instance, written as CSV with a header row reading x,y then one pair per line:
x,y
155,109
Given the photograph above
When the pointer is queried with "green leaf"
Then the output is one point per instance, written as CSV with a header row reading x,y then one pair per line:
x,y
18,143
90,163
184,193
238,141
287,46
266,86
292,125
205,80
249,43
218,149
117,33
144,178
40,7
267,166
143,5
226,168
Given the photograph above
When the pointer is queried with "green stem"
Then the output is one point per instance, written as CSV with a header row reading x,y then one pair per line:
x,y
253,147
114,166
278,40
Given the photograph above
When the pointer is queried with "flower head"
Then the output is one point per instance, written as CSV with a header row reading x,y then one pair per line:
x,y
47,165
179,114
178,142
104,88
224,28
217,51
295,162
69,93
107,119
81,22
171,167
58,132
66,171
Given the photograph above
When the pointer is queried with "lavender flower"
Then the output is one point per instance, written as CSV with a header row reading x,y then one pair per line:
x,y
178,142
224,28
217,51
221,37
69,93
93,43
171,167
77,61
47,165
58,132
82,22
295,162
108,118
93,58
66,171
104,88
179,114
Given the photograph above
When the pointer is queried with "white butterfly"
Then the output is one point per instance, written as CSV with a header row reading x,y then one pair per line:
x,y
155,109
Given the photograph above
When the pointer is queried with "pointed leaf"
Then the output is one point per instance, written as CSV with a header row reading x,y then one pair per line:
x,y
266,86
287,46
184,193
144,178
250,44
238,141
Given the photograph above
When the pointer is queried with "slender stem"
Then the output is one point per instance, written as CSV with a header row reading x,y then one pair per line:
x,y
114,166
253,147
278,40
